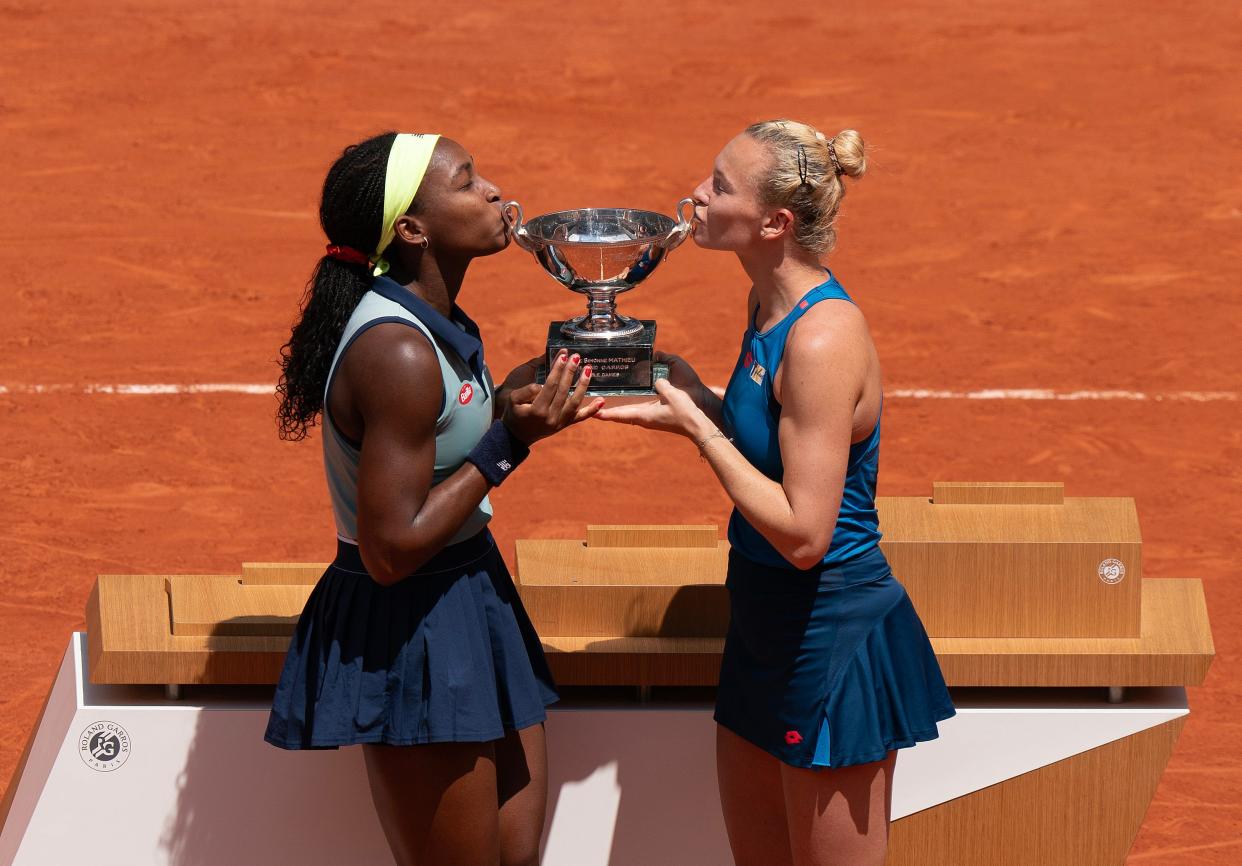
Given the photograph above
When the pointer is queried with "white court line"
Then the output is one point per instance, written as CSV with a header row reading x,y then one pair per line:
x,y
897,393
203,388
1050,394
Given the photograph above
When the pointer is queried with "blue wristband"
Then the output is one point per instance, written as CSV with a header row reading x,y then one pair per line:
x,y
498,453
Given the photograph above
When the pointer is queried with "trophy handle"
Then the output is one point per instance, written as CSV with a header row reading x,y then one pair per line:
x,y
511,213
681,231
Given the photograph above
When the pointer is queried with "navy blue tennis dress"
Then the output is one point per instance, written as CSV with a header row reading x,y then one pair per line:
x,y
829,666
447,654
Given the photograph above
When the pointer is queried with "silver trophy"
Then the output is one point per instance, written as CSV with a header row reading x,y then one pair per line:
x,y
601,252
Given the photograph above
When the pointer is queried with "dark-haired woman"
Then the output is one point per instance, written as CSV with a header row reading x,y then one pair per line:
x,y
827,669
414,642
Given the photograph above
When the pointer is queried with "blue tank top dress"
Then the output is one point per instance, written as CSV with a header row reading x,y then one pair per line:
x,y
447,654
828,666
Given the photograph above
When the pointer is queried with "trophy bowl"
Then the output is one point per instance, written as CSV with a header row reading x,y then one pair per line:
x,y
599,252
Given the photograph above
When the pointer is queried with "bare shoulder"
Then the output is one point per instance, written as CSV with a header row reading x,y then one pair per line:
x,y
392,347
831,365
831,329
392,369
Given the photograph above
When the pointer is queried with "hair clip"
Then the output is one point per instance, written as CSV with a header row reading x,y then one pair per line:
x,y
802,166
832,155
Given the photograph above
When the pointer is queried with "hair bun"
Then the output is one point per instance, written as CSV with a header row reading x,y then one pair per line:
x,y
850,152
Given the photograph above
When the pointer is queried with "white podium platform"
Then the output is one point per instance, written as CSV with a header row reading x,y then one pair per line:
x,y
121,775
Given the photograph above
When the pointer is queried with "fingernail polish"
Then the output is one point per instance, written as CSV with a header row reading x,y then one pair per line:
x,y
586,371
576,358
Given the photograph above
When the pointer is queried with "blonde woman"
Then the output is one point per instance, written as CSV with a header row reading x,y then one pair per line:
x,y
827,669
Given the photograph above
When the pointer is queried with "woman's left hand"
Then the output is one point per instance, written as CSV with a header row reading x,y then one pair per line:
x,y
674,412
519,377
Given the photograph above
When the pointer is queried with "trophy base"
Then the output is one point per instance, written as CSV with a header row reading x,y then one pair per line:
x,y
623,370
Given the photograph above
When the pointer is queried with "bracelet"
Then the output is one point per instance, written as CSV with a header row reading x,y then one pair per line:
x,y
709,437
498,453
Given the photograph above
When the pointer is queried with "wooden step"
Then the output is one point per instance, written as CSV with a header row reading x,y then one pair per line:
x,y
202,604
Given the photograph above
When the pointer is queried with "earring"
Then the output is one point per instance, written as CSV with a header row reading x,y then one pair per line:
x,y
425,242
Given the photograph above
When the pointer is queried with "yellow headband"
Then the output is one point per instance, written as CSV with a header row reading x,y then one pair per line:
x,y
407,164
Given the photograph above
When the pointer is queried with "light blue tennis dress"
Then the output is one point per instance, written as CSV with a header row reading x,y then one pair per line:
x,y
446,654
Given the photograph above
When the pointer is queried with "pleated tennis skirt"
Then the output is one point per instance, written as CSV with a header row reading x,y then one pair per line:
x,y
827,667
446,655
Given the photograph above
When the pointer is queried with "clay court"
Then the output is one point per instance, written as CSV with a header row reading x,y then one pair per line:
x,y
1045,245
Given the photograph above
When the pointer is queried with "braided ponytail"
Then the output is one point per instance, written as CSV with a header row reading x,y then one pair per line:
x,y
350,212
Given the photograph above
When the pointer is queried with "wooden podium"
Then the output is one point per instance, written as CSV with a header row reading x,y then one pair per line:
x,y
1018,586
1035,604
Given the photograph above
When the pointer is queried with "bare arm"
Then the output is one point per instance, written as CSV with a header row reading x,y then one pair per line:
x,y
402,520
821,384
396,386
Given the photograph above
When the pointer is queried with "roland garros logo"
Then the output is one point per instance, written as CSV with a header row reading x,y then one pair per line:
x,y
104,746
1112,570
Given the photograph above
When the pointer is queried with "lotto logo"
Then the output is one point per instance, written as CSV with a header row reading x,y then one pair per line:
x,y
748,360
466,393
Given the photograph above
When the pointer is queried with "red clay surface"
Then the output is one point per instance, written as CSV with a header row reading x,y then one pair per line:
x,y
1054,202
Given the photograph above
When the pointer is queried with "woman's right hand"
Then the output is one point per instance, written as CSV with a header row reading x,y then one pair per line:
x,y
536,411
681,374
